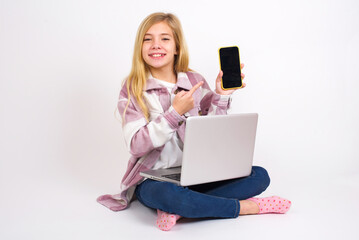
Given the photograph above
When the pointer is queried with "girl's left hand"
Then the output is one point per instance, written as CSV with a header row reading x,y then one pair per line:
x,y
220,90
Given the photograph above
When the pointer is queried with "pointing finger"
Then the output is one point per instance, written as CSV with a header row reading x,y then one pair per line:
x,y
195,87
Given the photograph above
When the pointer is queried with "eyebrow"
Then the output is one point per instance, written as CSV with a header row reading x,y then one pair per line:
x,y
160,34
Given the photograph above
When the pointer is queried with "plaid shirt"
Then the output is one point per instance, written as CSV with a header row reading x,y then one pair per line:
x,y
146,140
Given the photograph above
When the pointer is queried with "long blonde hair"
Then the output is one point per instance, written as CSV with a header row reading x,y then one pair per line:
x,y
136,80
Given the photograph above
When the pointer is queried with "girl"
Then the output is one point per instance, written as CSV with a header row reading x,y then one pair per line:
x,y
158,95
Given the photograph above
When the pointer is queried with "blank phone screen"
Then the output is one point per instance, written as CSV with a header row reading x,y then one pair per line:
x,y
230,66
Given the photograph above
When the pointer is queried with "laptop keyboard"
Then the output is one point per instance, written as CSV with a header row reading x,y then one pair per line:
x,y
174,176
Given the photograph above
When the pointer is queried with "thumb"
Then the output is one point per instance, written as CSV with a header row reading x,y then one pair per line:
x,y
219,77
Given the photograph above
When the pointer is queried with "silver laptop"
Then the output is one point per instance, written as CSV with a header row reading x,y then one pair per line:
x,y
216,148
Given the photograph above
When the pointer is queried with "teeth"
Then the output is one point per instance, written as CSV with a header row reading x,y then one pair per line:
x,y
156,55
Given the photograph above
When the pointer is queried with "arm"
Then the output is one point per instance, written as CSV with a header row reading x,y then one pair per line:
x,y
218,102
141,136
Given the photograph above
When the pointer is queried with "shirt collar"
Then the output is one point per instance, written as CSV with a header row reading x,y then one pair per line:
x,y
151,83
182,82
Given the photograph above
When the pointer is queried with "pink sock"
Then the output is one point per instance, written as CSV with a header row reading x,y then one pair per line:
x,y
272,204
165,221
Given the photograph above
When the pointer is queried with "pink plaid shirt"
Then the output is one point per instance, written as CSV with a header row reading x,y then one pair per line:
x,y
146,140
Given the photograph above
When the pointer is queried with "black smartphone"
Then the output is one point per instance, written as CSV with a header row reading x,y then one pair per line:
x,y
231,67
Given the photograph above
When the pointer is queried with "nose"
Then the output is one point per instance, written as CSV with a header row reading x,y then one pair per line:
x,y
156,44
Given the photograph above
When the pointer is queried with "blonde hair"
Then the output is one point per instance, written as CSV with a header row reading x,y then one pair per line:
x,y
136,80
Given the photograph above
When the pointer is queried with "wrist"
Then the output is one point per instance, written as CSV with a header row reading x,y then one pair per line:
x,y
224,92
174,119
178,111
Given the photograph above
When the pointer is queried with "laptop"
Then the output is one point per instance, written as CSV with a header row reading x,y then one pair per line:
x,y
216,148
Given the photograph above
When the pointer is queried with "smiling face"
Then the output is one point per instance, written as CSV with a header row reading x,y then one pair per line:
x,y
159,48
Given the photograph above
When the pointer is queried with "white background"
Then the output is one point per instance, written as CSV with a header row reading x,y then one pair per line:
x,y
61,68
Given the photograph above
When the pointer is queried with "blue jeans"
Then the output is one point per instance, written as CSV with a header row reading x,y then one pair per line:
x,y
214,200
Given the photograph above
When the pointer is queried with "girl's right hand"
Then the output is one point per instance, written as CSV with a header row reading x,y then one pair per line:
x,y
183,101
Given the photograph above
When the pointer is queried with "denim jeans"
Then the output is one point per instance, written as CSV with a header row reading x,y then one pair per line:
x,y
214,200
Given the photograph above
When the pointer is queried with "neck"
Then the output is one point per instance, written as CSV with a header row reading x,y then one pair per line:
x,y
164,75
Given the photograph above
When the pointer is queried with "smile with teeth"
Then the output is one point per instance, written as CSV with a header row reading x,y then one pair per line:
x,y
156,55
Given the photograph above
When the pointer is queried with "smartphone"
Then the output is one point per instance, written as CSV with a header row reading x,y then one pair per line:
x,y
231,67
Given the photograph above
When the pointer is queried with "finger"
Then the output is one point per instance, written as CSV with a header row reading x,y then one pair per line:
x,y
195,87
220,75
242,65
181,93
242,75
243,85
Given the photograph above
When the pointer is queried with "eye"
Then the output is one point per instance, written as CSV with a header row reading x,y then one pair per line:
x,y
147,39
165,39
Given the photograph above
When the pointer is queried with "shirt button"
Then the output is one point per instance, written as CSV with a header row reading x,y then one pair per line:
x,y
180,123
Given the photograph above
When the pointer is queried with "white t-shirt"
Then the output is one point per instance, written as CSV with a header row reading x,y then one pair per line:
x,y
171,156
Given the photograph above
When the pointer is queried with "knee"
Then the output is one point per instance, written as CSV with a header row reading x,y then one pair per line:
x,y
262,175
155,193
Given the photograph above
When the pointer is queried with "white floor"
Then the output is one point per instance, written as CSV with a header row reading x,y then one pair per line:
x,y
51,207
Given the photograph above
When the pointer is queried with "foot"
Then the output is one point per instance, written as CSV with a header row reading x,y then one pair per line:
x,y
166,221
272,204
248,207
